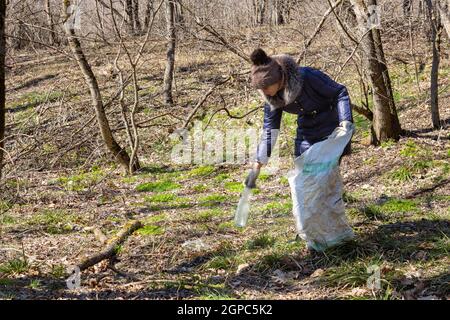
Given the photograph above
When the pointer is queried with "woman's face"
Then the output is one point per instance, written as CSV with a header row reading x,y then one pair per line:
x,y
272,89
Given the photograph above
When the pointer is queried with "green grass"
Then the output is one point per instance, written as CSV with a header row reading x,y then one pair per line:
x,y
399,206
406,172
5,206
201,171
270,261
58,271
34,284
234,186
277,207
284,181
82,180
162,197
208,215
221,177
386,210
264,177
260,242
410,150
200,188
223,258
225,226
55,221
14,266
388,144
212,200
6,282
156,218
440,246
7,219
159,186
150,230
350,197
34,99
403,173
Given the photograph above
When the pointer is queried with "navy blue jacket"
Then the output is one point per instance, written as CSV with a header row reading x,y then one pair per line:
x,y
321,105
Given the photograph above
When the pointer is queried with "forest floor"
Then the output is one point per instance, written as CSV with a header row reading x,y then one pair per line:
x,y
397,199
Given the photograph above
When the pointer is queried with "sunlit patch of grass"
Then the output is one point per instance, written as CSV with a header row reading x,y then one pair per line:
x,y
410,150
388,144
201,171
58,271
212,200
403,173
55,221
162,197
83,180
391,206
156,218
264,177
234,186
277,207
7,219
399,206
159,186
350,197
284,181
175,203
34,99
225,226
221,177
208,215
200,188
14,267
150,230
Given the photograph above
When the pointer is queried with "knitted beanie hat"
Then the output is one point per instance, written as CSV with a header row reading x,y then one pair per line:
x,y
265,70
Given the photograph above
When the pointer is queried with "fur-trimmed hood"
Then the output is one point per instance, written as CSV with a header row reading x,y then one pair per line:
x,y
293,83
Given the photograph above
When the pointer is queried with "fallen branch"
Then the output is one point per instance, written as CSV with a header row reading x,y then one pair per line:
x,y
111,250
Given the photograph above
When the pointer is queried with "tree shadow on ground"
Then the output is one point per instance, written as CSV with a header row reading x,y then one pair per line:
x,y
399,242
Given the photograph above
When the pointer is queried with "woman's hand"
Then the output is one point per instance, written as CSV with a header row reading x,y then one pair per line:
x,y
257,166
250,181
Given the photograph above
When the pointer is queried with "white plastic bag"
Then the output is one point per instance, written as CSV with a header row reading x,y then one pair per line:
x,y
316,188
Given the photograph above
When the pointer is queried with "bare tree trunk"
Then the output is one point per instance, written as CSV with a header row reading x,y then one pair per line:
x,y
259,7
170,65
130,14
51,25
385,123
444,12
137,20
179,14
148,13
436,30
120,154
407,6
279,11
385,72
2,80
